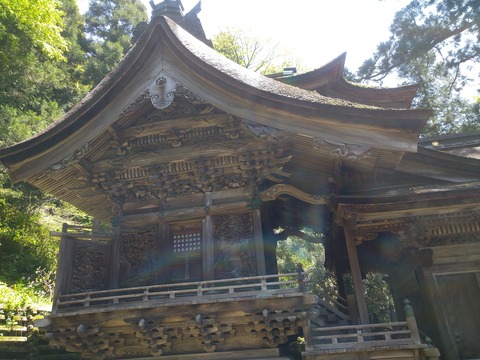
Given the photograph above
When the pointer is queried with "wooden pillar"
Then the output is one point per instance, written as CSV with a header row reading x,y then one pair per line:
x,y
64,268
356,275
113,282
258,238
208,242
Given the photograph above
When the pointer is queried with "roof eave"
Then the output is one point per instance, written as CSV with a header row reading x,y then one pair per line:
x,y
165,47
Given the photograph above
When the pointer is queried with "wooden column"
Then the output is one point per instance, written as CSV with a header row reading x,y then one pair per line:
x,y
64,268
115,258
258,237
208,243
356,275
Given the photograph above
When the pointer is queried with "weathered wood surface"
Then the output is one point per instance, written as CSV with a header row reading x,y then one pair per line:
x,y
263,321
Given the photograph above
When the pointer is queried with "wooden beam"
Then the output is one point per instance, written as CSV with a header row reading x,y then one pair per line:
x,y
356,275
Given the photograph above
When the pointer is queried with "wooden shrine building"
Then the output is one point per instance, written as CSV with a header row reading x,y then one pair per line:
x,y
194,162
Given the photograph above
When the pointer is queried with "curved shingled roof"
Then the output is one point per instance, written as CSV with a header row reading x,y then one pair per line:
x,y
329,81
165,50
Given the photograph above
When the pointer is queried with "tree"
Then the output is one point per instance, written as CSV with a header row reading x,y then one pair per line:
x,y
29,24
436,44
449,27
439,91
251,52
39,79
109,28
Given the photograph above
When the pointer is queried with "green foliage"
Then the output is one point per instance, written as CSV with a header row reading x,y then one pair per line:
x,y
30,24
20,296
262,55
294,251
35,87
433,43
311,257
17,125
441,91
378,297
109,26
451,28
25,245
39,80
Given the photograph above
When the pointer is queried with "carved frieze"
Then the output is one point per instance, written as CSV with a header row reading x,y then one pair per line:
x,y
71,159
444,229
198,175
190,96
139,101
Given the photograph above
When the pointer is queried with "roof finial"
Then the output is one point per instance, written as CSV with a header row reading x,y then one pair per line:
x,y
171,8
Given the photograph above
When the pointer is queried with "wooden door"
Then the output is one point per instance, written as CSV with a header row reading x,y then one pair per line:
x,y
459,296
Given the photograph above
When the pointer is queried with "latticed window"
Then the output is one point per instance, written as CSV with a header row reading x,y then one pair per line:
x,y
186,242
183,243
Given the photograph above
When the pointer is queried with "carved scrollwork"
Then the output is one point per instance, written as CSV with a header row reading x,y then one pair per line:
x,y
74,158
269,133
140,100
341,150
280,189
162,91
190,96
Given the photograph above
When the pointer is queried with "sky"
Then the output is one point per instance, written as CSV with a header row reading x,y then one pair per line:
x,y
315,31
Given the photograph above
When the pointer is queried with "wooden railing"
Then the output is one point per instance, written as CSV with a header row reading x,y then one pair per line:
x,y
361,336
365,336
334,302
235,287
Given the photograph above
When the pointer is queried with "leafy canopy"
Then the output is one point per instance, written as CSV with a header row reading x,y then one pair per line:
x,y
449,27
109,26
435,44
30,23
264,56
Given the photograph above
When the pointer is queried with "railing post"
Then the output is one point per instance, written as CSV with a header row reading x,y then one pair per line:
x,y
308,337
87,300
300,277
264,284
199,289
411,322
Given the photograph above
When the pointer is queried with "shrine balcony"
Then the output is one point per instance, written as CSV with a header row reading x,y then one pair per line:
x,y
186,293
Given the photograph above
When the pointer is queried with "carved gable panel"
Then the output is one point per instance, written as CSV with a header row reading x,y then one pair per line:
x,y
155,156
